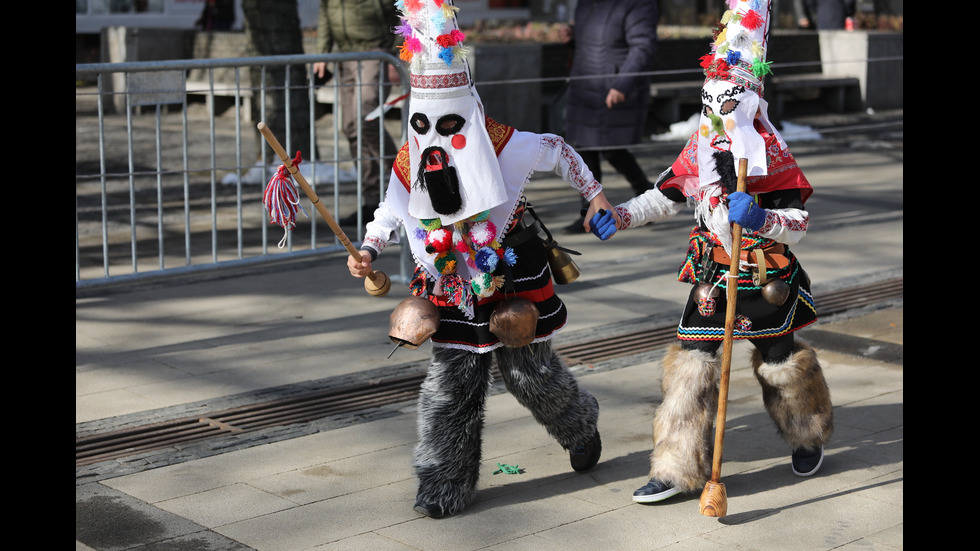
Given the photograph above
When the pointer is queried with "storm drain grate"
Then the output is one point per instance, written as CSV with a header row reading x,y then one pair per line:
x,y
286,411
314,405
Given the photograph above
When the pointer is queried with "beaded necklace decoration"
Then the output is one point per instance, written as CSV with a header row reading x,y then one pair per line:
x,y
473,239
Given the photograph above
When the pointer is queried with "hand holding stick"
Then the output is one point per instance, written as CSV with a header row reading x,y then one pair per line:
x,y
714,497
376,283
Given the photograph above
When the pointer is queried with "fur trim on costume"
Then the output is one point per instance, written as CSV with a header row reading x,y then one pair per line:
x,y
451,403
797,397
682,425
541,382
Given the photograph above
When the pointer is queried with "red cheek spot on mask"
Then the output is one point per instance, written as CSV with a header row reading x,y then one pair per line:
x,y
416,141
459,141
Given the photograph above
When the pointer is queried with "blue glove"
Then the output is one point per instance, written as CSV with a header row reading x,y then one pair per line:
x,y
603,224
743,211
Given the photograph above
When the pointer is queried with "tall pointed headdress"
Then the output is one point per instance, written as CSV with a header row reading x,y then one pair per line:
x,y
732,101
455,173
739,50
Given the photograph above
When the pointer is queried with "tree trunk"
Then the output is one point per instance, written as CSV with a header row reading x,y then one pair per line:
x,y
272,28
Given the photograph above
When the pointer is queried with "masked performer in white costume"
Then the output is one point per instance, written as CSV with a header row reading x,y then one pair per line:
x,y
458,189
773,299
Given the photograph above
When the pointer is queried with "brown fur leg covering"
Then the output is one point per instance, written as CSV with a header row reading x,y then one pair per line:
x,y
797,397
682,426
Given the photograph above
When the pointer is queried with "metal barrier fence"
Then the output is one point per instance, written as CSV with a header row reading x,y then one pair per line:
x,y
167,181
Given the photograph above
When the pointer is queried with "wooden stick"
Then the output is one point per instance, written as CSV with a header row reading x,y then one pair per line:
x,y
376,283
714,497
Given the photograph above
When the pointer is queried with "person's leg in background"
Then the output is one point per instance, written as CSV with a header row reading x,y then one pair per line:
x,y
359,83
625,163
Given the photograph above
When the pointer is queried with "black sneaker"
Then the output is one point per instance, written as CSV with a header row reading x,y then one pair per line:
x,y
585,456
431,510
807,461
654,490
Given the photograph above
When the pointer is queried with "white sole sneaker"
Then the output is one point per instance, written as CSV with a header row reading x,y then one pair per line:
x,y
651,498
812,471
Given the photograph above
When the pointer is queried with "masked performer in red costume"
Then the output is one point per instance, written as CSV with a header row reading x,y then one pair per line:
x,y
773,290
458,188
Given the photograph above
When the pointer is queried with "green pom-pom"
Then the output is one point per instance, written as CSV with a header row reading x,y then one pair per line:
x,y
761,68
445,263
430,224
482,284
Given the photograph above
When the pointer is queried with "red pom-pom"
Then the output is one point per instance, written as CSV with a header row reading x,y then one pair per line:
x,y
439,241
752,20
718,70
445,40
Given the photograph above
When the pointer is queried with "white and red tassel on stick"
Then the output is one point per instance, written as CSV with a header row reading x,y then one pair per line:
x,y
281,199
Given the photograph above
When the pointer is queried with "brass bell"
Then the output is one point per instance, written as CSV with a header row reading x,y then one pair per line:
x,y
563,268
776,291
412,322
706,298
514,321
706,291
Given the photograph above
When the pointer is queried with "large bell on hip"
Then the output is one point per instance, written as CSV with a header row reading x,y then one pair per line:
x,y
775,291
563,268
413,321
514,321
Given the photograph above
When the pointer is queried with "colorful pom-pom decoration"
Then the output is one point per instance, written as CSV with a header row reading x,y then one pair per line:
x,y
752,20
445,263
483,285
761,68
438,241
403,29
430,224
486,259
483,233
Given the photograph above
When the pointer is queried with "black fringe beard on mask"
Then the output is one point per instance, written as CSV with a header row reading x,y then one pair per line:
x,y
441,185
420,177
725,167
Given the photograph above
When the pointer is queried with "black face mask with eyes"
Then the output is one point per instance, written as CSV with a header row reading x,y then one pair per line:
x,y
440,181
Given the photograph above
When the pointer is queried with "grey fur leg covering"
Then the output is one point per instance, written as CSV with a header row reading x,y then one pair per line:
x,y
682,425
797,397
540,381
451,403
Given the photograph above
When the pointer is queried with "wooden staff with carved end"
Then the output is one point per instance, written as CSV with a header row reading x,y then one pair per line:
x,y
714,497
376,283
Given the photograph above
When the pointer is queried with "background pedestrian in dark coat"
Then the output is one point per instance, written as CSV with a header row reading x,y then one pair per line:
x,y
615,42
